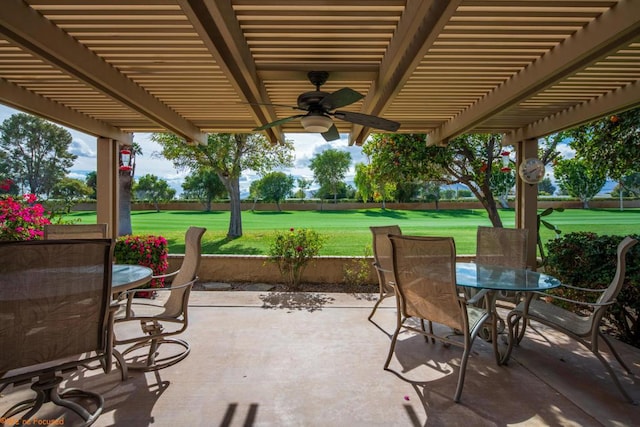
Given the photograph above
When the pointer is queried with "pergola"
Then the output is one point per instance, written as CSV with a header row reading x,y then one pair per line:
x,y
521,68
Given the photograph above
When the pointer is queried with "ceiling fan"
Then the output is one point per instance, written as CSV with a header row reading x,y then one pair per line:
x,y
321,106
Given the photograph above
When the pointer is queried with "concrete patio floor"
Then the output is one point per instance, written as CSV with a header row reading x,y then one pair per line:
x,y
309,359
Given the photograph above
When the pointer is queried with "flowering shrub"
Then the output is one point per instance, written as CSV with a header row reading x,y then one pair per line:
x,y
292,250
21,218
148,251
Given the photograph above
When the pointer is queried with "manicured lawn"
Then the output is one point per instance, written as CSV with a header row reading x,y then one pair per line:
x,y
348,232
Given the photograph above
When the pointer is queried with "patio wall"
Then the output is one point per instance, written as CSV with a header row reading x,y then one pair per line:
x,y
257,268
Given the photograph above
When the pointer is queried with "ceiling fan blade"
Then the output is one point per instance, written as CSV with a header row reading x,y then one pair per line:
x,y
340,98
367,120
332,134
278,122
273,105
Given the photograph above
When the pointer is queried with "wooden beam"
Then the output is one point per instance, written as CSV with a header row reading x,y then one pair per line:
x,y
30,30
27,101
216,23
418,28
615,28
612,102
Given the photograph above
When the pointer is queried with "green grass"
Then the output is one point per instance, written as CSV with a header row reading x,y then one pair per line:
x,y
348,232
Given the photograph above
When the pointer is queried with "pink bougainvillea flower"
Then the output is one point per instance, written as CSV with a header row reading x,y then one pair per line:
x,y
299,248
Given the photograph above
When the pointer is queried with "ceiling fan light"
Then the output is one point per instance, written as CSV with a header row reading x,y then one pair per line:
x,y
316,123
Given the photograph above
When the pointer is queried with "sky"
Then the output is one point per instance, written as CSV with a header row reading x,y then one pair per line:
x,y
150,162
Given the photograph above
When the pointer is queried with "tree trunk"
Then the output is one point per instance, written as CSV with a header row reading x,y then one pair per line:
x,y
278,205
484,195
235,220
125,181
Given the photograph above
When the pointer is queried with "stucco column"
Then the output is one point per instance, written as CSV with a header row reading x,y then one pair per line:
x,y
527,200
107,184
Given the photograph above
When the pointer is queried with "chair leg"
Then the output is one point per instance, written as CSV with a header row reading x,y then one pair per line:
x,y
463,370
392,347
375,307
616,354
46,389
614,377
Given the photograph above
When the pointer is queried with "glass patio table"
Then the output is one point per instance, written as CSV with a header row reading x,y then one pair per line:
x,y
126,276
491,279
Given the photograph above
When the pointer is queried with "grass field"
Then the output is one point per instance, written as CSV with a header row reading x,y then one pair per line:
x,y
347,232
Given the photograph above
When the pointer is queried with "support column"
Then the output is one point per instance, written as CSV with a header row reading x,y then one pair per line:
x,y
527,201
107,184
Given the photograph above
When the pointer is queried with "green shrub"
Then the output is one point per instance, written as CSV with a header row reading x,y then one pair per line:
x,y
292,250
356,270
588,260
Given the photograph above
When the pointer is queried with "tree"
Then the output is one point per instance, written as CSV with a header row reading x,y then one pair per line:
x,y
630,186
38,151
579,180
363,182
91,180
153,188
275,186
611,145
227,155
329,168
431,192
303,186
406,158
70,190
546,186
204,185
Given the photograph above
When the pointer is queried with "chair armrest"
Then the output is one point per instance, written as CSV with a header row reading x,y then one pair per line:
x,y
582,289
164,276
572,301
477,297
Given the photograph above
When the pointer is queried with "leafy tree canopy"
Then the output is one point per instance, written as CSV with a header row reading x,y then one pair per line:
x,y
579,180
275,187
397,158
70,190
610,145
329,168
204,185
36,152
153,188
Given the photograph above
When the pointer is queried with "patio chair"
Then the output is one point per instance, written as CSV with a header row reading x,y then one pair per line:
x,y
55,316
160,320
583,329
505,247
382,261
425,281
75,231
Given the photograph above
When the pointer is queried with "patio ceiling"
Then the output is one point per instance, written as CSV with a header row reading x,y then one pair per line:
x,y
525,68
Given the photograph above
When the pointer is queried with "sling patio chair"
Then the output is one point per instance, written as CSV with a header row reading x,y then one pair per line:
x,y
584,329
55,317
425,281
506,247
147,326
382,261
